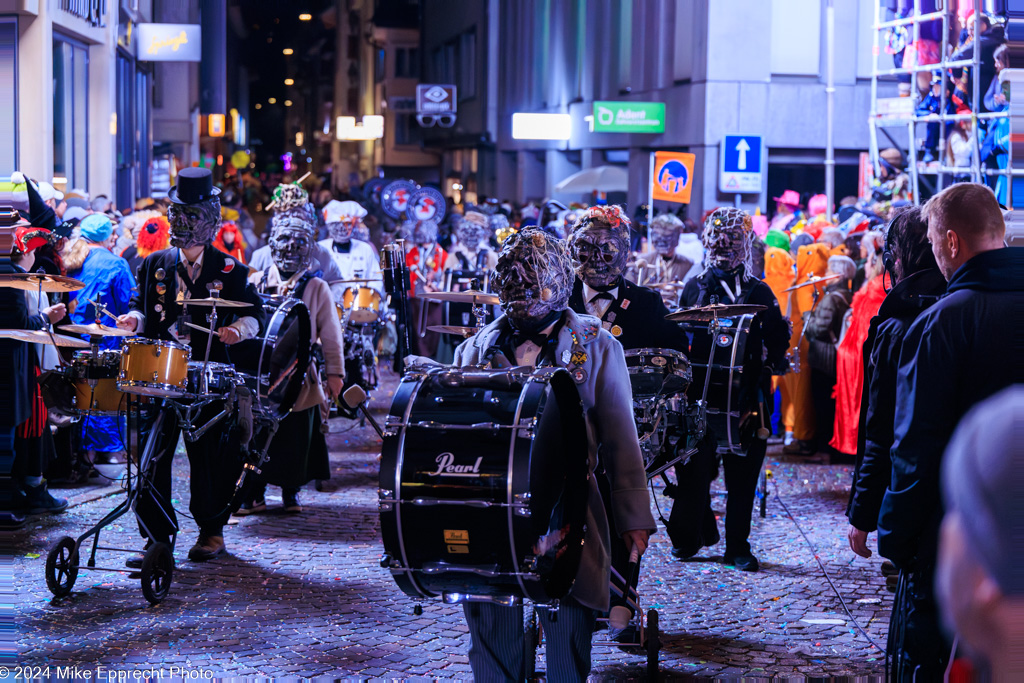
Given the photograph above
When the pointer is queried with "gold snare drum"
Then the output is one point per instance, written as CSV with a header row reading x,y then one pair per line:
x,y
363,305
95,382
151,367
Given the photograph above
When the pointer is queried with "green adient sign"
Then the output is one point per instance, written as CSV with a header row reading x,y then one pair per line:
x,y
629,117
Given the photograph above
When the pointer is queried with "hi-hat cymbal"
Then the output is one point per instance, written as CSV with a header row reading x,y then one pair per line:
x,y
452,329
41,337
470,296
712,311
814,281
215,301
32,282
96,330
665,285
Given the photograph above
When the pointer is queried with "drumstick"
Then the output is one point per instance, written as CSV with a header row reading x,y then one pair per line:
x,y
103,309
204,329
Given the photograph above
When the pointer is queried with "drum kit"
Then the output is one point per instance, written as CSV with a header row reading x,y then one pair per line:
x,y
146,377
363,315
478,302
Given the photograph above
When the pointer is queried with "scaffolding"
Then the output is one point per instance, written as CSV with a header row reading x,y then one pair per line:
x,y
879,122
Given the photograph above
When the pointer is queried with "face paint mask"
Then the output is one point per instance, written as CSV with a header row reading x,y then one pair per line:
x,y
192,225
533,277
664,241
599,255
342,230
471,235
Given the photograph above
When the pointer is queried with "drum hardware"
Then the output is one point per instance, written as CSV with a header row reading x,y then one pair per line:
x,y
396,285
355,397
355,281
215,301
793,355
41,282
192,435
470,296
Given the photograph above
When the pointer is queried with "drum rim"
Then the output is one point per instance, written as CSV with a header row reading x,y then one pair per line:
x,y
147,341
172,390
280,315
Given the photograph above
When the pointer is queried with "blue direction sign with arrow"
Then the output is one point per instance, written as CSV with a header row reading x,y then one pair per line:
x,y
742,164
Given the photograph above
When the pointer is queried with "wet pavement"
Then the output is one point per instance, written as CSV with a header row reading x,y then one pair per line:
x,y
304,595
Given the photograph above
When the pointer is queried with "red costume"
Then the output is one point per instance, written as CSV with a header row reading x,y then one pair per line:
x,y
850,365
237,248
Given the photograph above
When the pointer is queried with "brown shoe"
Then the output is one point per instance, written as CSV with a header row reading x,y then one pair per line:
x,y
206,548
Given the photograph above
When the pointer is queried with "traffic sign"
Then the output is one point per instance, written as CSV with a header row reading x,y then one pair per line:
x,y
672,180
436,99
741,164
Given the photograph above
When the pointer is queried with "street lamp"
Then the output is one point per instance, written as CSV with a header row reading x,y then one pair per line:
x,y
289,81
287,103
272,100
288,51
370,128
305,17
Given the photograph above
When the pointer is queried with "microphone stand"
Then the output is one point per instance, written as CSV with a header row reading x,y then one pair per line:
x,y
396,284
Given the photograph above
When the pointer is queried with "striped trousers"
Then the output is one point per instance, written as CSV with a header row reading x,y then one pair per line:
x,y
497,650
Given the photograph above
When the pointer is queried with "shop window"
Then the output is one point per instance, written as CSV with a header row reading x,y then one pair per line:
x,y
70,111
8,84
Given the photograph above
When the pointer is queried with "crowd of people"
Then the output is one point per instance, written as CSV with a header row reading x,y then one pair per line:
x,y
877,328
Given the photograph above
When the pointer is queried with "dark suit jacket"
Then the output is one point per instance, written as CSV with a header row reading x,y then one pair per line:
x,y
17,383
640,313
216,266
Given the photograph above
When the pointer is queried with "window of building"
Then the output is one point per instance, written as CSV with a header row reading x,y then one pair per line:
x,y
8,84
407,131
625,43
542,52
467,64
407,62
379,64
682,57
70,111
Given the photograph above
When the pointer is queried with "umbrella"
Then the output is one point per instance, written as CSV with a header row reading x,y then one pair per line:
x,y
597,179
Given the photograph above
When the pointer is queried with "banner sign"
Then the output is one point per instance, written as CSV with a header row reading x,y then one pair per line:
x,y
169,43
629,117
673,176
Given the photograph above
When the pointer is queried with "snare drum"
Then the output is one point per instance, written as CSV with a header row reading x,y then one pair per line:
x,y
102,396
483,484
152,367
363,305
218,378
657,372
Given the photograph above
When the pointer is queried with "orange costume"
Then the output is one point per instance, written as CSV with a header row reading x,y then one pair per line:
x,y
797,403
850,365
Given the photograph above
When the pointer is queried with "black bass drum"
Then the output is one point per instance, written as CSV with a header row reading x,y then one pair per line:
x,y
725,390
276,362
483,484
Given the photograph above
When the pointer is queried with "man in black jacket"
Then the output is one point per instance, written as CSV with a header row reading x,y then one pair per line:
x,y
727,276
963,349
188,271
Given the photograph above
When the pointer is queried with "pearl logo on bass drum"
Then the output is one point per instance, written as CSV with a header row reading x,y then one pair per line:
x,y
446,467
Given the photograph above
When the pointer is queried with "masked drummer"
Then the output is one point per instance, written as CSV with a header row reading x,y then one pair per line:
x,y
425,261
473,251
354,257
662,264
298,451
727,275
533,280
190,269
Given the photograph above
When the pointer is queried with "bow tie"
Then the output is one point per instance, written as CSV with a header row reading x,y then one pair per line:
x,y
519,338
343,248
607,296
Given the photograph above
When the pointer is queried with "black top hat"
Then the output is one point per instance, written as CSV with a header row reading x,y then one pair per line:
x,y
195,185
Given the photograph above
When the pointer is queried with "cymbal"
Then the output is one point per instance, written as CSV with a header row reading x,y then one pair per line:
x,y
31,282
41,337
215,301
814,281
96,330
666,285
355,281
453,329
470,296
712,311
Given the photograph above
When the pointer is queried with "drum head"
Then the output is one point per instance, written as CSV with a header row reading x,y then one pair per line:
x,y
279,358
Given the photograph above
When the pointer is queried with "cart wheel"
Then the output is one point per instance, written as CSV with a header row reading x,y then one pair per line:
x,y
653,644
157,568
62,566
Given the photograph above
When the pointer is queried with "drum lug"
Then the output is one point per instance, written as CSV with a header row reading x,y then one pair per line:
x,y
529,564
521,504
155,376
386,561
385,500
158,352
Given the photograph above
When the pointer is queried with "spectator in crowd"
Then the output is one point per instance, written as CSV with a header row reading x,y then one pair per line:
x,y
823,331
137,225
229,240
990,39
787,209
850,358
918,284
953,357
107,280
960,146
979,582
691,247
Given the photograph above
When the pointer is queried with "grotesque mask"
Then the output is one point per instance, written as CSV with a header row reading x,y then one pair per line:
x,y
424,233
599,245
665,230
291,242
473,231
341,231
533,277
342,218
727,237
194,224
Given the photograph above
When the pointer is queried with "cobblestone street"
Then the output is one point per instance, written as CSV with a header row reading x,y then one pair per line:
x,y
304,595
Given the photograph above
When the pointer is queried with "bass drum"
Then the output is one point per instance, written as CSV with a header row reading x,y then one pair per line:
x,y
483,484
277,361
728,384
